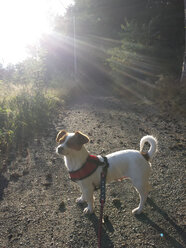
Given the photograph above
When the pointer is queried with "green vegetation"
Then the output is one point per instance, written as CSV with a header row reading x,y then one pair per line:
x,y
148,46
145,36
26,105
22,117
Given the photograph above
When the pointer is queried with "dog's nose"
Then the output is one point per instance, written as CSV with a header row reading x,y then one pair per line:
x,y
60,149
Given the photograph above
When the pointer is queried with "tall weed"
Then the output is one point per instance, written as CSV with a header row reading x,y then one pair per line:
x,y
23,117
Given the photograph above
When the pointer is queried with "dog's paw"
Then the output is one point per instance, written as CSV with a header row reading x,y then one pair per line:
x,y
87,210
80,200
136,211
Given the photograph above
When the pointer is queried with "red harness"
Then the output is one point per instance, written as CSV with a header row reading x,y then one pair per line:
x,y
87,169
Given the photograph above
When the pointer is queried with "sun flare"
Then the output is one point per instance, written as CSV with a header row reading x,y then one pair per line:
x,y
22,22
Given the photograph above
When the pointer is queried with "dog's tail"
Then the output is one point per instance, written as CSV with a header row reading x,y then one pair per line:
x,y
153,147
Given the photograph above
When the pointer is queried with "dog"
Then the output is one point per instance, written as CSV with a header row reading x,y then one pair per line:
x,y
132,164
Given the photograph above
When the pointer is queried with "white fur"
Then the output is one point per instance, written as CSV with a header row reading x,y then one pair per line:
x,y
125,163
153,145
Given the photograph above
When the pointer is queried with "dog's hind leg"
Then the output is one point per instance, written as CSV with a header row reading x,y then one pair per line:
x,y
143,193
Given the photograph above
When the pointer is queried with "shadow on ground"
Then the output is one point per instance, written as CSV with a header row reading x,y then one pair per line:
x,y
172,241
107,226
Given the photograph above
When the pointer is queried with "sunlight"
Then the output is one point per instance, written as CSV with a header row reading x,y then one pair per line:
x,y
23,22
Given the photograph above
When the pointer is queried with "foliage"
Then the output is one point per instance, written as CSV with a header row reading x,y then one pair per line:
x,y
139,54
6,134
151,32
152,44
25,107
24,116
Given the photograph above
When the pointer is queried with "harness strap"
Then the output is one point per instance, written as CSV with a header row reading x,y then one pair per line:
x,y
86,170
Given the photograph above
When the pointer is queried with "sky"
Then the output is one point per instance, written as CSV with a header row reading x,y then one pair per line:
x,y
22,22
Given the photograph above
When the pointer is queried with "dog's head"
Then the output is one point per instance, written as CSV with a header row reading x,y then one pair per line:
x,y
69,142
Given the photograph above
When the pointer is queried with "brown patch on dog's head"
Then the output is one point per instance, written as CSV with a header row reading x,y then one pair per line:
x,y
82,138
77,141
60,135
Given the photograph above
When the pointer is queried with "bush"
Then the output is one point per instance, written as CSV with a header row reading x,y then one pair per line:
x,y
143,55
23,117
5,133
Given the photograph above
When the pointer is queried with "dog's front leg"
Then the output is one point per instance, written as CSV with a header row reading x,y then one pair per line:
x,y
80,199
87,195
90,201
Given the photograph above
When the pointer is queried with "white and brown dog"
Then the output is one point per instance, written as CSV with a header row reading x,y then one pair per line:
x,y
85,170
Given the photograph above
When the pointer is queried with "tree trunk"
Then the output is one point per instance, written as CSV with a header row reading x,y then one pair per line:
x,y
183,74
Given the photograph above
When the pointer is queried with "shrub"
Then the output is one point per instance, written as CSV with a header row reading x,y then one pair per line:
x,y
5,133
144,55
23,117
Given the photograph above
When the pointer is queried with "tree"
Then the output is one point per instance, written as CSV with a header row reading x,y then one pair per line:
x,y
155,27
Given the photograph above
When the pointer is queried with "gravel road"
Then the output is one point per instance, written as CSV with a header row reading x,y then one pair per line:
x,y
37,199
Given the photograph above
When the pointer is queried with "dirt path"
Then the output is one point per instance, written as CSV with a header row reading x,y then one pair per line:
x,y
37,199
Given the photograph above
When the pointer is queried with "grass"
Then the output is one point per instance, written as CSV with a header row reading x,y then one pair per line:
x,y
25,113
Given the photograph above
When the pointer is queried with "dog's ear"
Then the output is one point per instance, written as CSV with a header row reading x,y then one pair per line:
x,y
60,135
82,138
